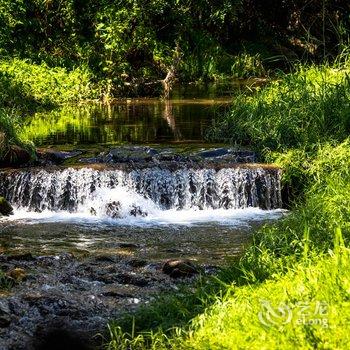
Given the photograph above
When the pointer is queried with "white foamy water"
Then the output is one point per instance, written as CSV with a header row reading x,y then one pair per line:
x,y
230,217
145,197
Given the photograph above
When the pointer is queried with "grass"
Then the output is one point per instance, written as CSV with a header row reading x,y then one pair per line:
x,y
300,262
43,85
296,111
10,134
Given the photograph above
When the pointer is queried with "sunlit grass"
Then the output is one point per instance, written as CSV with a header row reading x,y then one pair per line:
x,y
297,110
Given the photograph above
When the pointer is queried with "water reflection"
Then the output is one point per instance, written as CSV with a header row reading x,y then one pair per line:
x,y
131,121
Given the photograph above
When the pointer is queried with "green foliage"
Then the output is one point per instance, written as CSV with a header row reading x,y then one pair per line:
x,y
298,110
246,66
9,133
5,282
133,41
25,83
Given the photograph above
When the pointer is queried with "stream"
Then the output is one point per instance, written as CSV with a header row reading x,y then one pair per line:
x,y
116,193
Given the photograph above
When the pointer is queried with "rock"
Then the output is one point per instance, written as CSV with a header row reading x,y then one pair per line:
x,y
5,313
218,152
113,210
93,211
127,245
17,274
179,268
5,207
137,211
171,157
129,154
151,151
16,156
137,263
57,157
21,257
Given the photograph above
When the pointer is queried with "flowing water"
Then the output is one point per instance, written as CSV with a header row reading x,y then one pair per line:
x,y
196,202
90,235
180,207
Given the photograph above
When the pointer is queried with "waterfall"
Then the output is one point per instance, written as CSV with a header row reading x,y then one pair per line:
x,y
116,193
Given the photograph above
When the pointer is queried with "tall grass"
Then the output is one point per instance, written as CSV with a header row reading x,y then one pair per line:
x,y
301,260
297,110
9,133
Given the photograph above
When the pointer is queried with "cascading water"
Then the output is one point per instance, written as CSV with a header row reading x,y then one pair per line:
x,y
116,193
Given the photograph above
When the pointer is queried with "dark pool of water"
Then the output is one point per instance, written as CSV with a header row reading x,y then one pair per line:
x,y
184,118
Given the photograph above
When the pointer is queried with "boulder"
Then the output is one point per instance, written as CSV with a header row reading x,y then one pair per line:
x,y
5,207
180,268
56,157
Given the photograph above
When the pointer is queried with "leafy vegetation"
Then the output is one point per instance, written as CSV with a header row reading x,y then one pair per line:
x,y
127,43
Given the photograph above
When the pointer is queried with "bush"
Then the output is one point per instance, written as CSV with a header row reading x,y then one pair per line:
x,y
25,83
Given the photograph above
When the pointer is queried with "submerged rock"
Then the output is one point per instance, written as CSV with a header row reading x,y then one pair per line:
x,y
180,268
5,207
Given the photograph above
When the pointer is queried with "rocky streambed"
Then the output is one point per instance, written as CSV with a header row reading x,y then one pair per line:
x,y
79,295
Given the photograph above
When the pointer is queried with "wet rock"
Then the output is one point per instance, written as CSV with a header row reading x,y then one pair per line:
x,y
105,258
179,268
136,280
129,154
171,157
152,151
5,314
21,257
93,211
16,156
172,250
137,263
113,209
56,157
218,152
245,156
137,211
61,338
126,245
5,207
